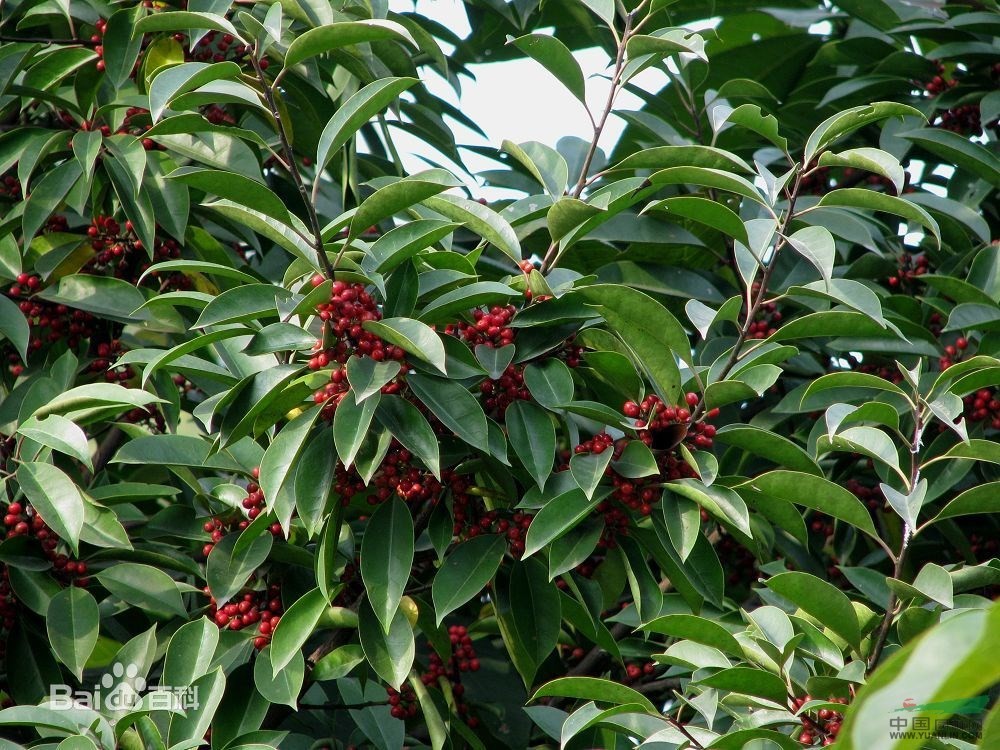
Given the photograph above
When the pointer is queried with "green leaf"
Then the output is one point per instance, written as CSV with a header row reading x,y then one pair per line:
x,y
722,502
958,150
544,163
276,466
55,497
338,663
682,519
871,160
816,245
706,177
533,438
649,330
813,492
942,671
549,382
227,569
850,120
465,572
47,195
143,586
355,112
704,211
411,429
280,686
534,610
390,653
603,9
190,652
749,681
367,376
750,117
178,79
386,558
234,187
411,336
60,434
72,624
593,689
557,517
479,293
279,337
814,596
295,628
874,201
121,46
566,214
334,36
14,327
588,469
556,58
984,499
457,409
697,629
664,157
242,303
769,445
480,219
185,20
351,422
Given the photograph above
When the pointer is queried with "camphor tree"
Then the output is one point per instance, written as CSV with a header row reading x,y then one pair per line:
x,y
692,443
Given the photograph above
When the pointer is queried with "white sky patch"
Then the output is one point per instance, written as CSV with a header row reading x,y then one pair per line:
x,y
517,100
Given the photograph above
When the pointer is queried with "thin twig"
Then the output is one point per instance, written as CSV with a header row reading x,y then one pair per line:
x,y
48,40
293,168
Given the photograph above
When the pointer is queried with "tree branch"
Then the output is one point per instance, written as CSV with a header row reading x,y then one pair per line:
x,y
293,169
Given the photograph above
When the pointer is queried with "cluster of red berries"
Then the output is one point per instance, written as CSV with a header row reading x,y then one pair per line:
x,y
872,497
217,47
880,369
107,352
984,406
489,327
500,393
910,267
819,728
953,352
218,115
253,607
398,473
402,703
22,520
964,120
122,254
463,658
472,519
815,181
765,322
10,187
635,672
100,27
350,306
653,416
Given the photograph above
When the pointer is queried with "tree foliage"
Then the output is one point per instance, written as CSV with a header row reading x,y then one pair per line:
x,y
689,442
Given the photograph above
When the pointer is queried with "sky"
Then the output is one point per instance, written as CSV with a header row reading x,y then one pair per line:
x,y
516,100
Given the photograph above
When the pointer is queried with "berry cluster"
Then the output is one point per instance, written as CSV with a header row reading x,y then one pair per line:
x,y
463,658
738,563
964,120
489,327
8,609
472,519
635,672
216,46
910,267
343,317
663,426
819,728
984,406
500,393
119,252
398,474
253,607
10,187
22,520
953,352
872,497
403,703
107,352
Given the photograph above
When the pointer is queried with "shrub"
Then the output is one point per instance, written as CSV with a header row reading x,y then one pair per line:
x,y
689,442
